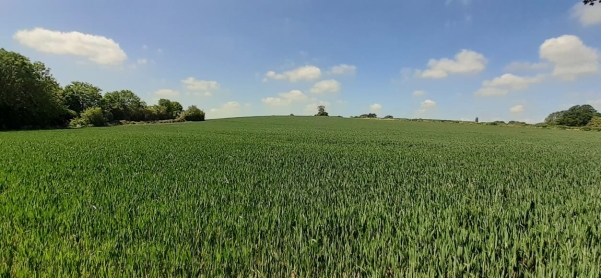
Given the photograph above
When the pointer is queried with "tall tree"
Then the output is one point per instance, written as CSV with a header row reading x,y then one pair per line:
x,y
553,117
28,93
176,108
321,111
173,108
577,115
123,105
78,96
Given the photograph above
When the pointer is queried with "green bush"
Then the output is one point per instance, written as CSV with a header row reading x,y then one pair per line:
x,y
93,116
78,122
595,122
577,115
193,114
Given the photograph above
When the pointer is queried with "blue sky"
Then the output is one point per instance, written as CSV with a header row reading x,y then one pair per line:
x,y
265,57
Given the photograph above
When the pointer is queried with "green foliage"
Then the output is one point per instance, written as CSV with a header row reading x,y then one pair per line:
x,y
93,116
496,123
28,94
577,115
266,197
78,96
370,116
321,111
172,108
193,114
123,105
176,108
30,97
595,122
554,117
155,113
388,117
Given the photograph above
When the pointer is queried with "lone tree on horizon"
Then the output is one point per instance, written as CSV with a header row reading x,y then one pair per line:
x,y
321,111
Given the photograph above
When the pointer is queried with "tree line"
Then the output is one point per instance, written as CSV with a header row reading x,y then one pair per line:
x,y
30,97
575,116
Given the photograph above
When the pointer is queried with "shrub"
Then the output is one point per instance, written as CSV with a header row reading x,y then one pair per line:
x,y
595,122
77,122
577,115
388,117
93,116
193,114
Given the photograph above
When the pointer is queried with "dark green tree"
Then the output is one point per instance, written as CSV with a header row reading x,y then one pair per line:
x,y
79,96
321,111
172,108
123,105
193,114
29,94
554,117
577,115
176,108
370,115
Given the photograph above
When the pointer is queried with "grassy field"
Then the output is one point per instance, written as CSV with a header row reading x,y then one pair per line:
x,y
300,196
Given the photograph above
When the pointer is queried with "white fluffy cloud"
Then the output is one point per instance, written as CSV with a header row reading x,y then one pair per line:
x,y
517,109
503,84
375,107
285,99
98,49
570,57
419,93
525,66
465,62
307,73
428,104
586,14
166,93
511,81
326,86
344,69
192,84
142,61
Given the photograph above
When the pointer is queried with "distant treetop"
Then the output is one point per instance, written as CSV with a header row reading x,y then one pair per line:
x,y
591,2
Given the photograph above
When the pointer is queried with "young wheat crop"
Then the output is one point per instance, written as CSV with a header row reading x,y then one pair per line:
x,y
302,197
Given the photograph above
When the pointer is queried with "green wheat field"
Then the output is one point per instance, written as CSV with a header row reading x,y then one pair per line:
x,y
300,197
